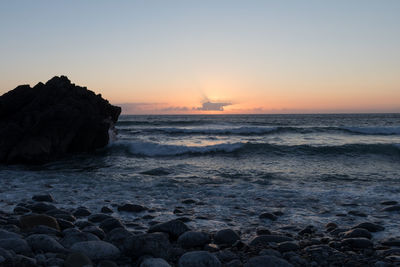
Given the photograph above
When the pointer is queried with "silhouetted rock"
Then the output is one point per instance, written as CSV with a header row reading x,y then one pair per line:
x,y
47,121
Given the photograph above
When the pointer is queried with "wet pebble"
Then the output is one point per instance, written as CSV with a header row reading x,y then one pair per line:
x,y
226,237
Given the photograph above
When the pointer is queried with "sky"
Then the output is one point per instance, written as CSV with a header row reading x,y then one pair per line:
x,y
210,56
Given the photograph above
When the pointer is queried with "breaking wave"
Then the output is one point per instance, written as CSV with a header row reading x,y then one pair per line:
x,y
149,149
256,130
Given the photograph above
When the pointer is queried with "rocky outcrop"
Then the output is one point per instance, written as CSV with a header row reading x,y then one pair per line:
x,y
48,121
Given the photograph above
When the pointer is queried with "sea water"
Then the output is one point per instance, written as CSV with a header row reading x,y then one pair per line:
x,y
313,168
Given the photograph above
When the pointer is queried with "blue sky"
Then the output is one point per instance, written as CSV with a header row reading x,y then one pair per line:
x,y
257,55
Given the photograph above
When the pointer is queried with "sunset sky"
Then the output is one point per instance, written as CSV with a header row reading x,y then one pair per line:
x,y
240,56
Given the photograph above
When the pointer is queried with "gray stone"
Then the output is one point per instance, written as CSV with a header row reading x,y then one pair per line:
x,y
81,212
270,252
192,239
321,254
40,207
372,227
174,228
357,232
97,250
331,225
266,239
234,263
40,259
30,221
99,217
263,231
288,246
68,217
45,230
226,255
45,243
310,229
25,261
71,238
381,264
391,241
107,263
7,255
199,259
155,244
226,237
7,234
128,207
77,260
118,237
54,262
188,201
94,230
18,245
357,243
154,262
109,224
106,209
64,224
44,198
21,210
267,261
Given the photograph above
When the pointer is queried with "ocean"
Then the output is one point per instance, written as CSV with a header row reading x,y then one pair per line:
x,y
312,169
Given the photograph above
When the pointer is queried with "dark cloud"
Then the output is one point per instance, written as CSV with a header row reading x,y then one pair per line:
x,y
165,108
175,109
208,106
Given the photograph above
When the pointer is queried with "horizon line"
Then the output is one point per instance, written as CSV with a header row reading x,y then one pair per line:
x,y
257,114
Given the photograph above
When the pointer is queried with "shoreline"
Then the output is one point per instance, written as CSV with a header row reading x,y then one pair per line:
x,y
104,237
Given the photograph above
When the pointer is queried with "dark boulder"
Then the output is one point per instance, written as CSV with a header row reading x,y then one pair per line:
x,y
174,228
48,121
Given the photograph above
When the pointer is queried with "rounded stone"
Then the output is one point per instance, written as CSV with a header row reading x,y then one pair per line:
x,y
357,232
45,243
81,212
359,243
199,259
174,228
154,262
30,221
109,224
288,246
97,250
18,245
128,207
77,260
264,240
226,237
192,239
43,198
267,261
75,237
372,227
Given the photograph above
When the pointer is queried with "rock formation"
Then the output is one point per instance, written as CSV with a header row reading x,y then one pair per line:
x,y
45,122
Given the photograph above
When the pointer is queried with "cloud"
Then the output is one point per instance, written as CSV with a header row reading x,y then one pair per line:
x,y
210,106
175,109
165,108
152,108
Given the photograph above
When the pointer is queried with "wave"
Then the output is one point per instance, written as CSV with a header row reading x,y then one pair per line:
x,y
149,149
160,150
256,130
162,122
388,130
